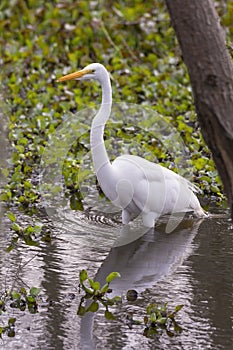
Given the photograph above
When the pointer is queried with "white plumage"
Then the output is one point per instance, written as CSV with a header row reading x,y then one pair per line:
x,y
132,183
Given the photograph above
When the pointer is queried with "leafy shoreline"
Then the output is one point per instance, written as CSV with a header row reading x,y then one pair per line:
x,y
137,44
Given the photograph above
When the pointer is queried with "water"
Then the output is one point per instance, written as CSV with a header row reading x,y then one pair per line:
x,y
190,266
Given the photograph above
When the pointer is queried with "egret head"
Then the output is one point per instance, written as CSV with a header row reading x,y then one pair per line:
x,y
94,71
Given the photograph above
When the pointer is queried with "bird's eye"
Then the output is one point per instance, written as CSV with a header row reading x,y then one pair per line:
x,y
92,71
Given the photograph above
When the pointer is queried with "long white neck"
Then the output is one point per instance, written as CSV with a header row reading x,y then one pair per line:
x,y
99,153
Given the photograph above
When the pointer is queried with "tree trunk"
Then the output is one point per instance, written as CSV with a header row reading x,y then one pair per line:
x,y
210,68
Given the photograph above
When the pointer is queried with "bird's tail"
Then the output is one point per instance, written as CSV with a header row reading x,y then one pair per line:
x,y
201,213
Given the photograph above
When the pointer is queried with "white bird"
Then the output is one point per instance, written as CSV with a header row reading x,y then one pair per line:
x,y
132,183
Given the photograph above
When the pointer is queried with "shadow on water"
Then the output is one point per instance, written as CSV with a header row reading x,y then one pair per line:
x,y
190,266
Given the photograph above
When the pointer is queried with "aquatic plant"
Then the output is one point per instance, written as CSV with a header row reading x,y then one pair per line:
x,y
97,294
17,299
30,234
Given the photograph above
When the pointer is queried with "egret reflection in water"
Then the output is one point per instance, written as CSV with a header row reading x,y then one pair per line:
x,y
142,263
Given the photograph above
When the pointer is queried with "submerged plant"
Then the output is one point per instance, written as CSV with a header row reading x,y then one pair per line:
x,y
97,294
30,234
9,329
158,318
20,300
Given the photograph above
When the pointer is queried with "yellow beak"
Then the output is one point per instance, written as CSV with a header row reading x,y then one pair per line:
x,y
74,75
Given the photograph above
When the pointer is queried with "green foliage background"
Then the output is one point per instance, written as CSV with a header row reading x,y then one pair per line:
x,y
42,40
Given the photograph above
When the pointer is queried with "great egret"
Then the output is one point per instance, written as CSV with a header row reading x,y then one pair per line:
x,y
132,183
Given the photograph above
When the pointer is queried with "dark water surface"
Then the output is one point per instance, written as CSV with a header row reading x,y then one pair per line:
x,y
190,266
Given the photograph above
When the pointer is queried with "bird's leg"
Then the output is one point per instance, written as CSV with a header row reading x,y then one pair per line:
x,y
149,219
126,217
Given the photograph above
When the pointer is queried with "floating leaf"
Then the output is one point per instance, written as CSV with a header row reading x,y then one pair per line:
x,y
83,276
11,216
10,248
35,291
105,288
161,320
16,227
15,295
81,310
11,321
94,285
93,307
112,276
109,315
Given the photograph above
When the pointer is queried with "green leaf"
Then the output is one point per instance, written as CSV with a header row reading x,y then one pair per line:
x,y
81,310
151,308
93,307
87,290
16,227
105,288
30,299
11,333
178,308
23,291
83,276
75,203
15,295
109,315
177,328
2,330
112,276
117,299
94,285
161,321
35,291
11,216
9,248
153,317
11,321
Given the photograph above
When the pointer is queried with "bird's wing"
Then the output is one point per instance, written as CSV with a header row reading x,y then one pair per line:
x,y
154,187
151,171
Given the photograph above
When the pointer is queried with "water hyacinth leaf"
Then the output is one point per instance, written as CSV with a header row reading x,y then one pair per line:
x,y
37,229
109,315
11,216
29,241
34,292
81,310
151,308
11,321
88,291
2,330
177,328
94,285
15,227
75,203
112,276
153,317
83,276
10,333
117,299
93,307
10,248
15,295
23,291
178,308
170,334
30,299
105,288
161,320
